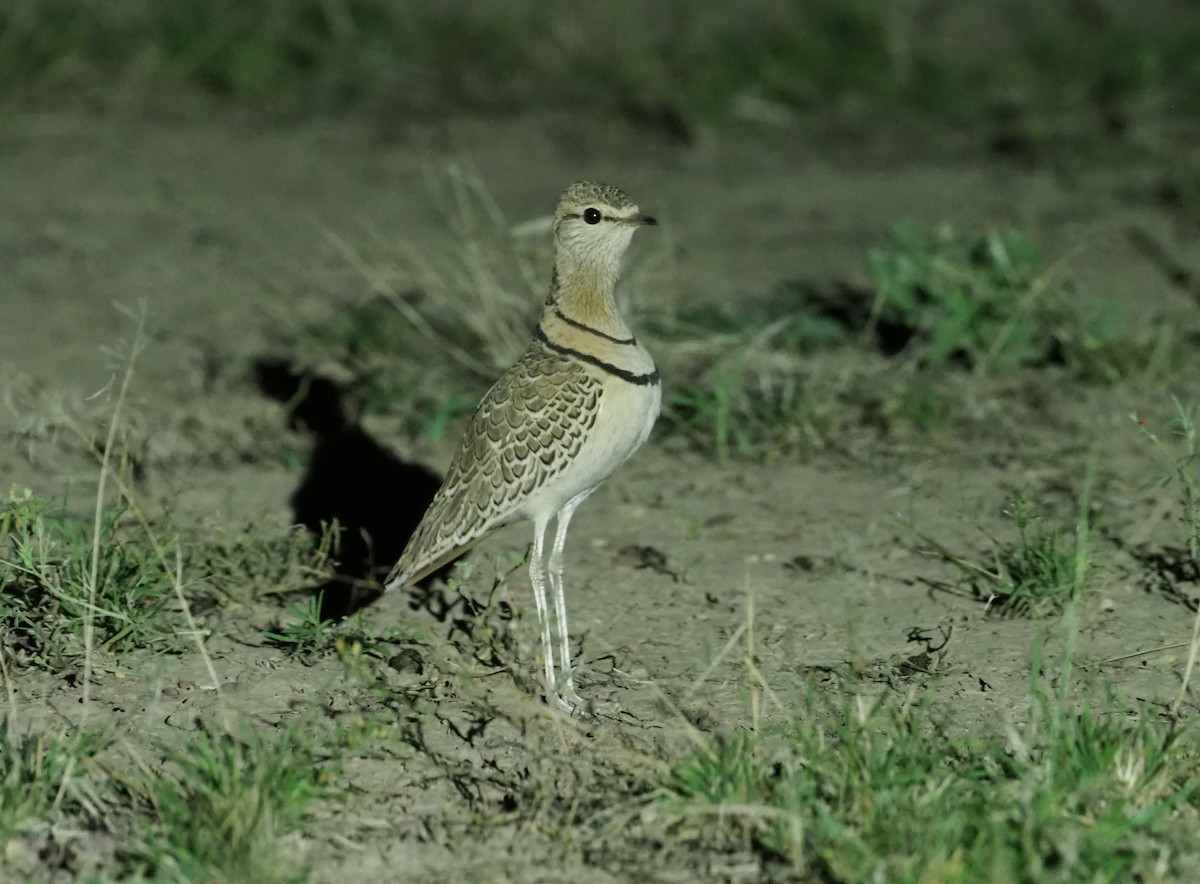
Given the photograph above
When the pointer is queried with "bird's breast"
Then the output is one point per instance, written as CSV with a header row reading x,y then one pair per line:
x,y
626,414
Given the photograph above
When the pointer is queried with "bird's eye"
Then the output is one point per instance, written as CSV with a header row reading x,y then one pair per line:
x,y
591,216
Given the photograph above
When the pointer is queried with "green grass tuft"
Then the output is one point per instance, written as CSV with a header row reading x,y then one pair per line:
x,y
45,561
1036,575
307,633
985,302
40,778
222,810
1038,572
880,792
959,298
737,410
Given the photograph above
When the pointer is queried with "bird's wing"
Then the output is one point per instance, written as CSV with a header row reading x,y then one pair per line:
x,y
529,427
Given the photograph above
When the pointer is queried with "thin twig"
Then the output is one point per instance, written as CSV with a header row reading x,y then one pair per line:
x,y
98,518
1145,653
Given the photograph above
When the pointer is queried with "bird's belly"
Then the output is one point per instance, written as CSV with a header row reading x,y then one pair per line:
x,y
627,415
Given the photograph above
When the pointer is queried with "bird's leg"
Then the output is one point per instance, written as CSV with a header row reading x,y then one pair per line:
x,y
537,578
555,571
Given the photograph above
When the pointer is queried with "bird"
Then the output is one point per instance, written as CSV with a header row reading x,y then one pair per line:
x,y
569,412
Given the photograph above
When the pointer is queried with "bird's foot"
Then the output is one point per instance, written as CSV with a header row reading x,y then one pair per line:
x,y
568,700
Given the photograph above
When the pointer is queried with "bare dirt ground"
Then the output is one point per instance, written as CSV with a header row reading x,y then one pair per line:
x,y
228,232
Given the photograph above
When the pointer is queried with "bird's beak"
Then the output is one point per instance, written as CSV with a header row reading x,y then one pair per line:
x,y
643,220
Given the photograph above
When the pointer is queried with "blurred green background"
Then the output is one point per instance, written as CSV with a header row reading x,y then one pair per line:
x,y
680,63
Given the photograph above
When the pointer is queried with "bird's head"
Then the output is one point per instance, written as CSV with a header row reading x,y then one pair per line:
x,y
594,223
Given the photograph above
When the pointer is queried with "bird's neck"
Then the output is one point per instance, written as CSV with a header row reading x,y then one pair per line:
x,y
583,293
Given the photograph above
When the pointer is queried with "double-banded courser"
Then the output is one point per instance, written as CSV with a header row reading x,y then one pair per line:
x,y
558,423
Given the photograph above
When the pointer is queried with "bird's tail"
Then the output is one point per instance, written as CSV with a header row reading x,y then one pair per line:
x,y
408,573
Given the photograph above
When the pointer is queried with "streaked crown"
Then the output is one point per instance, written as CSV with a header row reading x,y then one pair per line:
x,y
587,193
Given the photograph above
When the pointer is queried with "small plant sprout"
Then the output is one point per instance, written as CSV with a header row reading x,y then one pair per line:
x,y
307,633
1035,575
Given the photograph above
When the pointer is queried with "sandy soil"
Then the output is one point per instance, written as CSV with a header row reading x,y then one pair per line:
x,y
221,228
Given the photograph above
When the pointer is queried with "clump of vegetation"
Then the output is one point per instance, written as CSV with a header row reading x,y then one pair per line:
x,y
744,387
248,564
222,810
765,403
307,632
1040,572
41,778
952,297
49,560
876,792
1036,575
734,409
984,302
942,300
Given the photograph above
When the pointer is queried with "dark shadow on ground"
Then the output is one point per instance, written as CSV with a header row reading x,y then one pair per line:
x,y
831,311
374,498
1165,570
